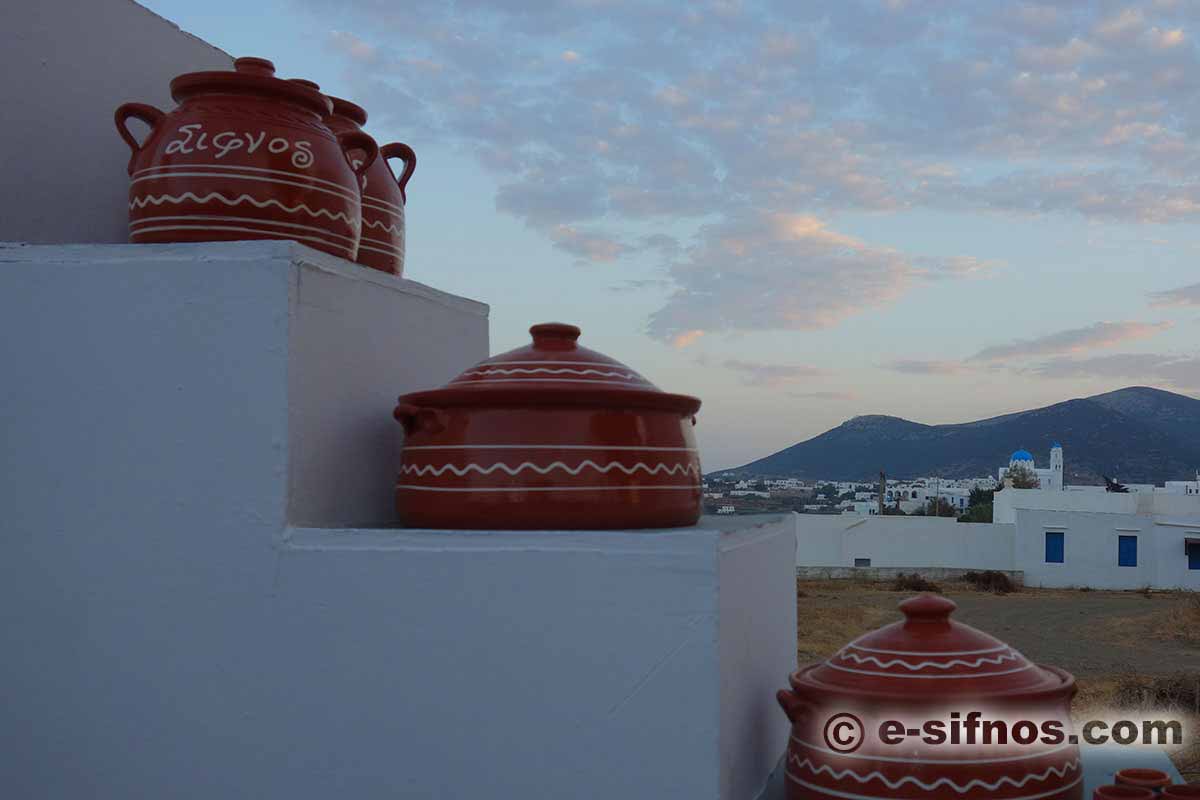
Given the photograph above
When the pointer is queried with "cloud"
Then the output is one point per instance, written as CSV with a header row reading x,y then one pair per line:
x,y
720,119
823,395
785,272
919,367
588,245
1179,371
686,338
1101,334
760,374
1183,296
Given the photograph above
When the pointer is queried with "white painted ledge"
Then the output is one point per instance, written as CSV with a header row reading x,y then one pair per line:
x,y
267,347
202,598
639,664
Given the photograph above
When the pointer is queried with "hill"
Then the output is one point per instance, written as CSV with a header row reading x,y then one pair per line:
x,y
1137,434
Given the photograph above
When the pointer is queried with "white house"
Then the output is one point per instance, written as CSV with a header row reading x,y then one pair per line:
x,y
1058,548
1056,535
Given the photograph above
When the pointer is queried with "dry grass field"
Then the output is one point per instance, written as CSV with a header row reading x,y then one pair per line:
x,y
1134,651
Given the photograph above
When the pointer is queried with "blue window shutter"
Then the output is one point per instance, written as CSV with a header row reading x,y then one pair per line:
x,y
1126,551
1054,547
1194,556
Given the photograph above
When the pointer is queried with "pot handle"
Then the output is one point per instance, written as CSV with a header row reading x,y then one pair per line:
x,y
791,704
405,153
415,419
357,140
147,114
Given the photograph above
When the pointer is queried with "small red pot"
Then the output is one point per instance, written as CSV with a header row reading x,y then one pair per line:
x,y
925,669
1181,791
1149,778
548,436
384,195
245,155
1123,792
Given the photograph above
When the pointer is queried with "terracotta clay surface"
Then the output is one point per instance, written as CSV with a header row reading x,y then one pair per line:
x,y
245,155
1118,792
927,667
1182,791
1149,778
548,436
384,195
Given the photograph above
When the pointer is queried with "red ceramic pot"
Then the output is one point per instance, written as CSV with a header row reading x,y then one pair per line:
x,y
916,674
384,196
244,156
1121,792
1138,776
548,436
1181,791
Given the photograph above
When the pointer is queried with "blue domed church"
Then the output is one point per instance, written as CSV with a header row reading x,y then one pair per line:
x,y
1049,478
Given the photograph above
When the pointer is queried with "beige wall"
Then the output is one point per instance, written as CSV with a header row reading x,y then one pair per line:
x,y
65,66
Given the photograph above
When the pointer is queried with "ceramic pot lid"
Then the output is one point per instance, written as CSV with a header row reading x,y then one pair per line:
x,y
554,370
929,655
253,76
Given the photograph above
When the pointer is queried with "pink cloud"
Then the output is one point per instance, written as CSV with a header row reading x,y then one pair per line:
x,y
1075,340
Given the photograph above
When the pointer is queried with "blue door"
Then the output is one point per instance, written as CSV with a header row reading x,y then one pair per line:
x,y
1054,547
1126,551
1194,556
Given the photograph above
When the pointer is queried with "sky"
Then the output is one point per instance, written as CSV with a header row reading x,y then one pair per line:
x,y
799,212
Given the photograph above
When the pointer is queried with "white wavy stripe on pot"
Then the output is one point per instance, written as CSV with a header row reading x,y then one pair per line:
x,y
1005,759
1060,772
173,170
247,227
341,194
887,663
827,792
658,468
144,201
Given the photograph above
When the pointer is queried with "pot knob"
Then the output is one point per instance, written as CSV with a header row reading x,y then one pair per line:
x,y
554,336
249,65
927,608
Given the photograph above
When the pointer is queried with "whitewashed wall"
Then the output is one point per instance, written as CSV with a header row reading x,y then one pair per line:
x,y
893,541
167,633
1090,539
1006,503
1090,550
65,66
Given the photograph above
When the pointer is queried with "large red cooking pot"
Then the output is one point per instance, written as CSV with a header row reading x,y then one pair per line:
x,y
548,436
245,156
383,196
865,721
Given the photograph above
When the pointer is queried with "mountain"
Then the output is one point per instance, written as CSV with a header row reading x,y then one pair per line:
x,y
1137,435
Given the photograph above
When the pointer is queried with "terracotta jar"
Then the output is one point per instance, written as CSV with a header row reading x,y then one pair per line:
x,y
1154,779
1181,791
548,436
384,196
1122,792
245,155
861,719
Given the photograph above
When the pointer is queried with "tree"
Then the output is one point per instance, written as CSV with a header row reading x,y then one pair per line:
x,y
1022,477
979,506
981,497
977,513
941,507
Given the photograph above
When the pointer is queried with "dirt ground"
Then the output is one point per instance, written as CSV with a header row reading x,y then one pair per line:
x,y
1088,633
1110,641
